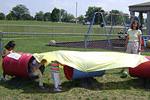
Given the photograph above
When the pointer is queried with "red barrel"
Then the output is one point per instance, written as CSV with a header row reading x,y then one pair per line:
x,y
68,71
17,67
142,70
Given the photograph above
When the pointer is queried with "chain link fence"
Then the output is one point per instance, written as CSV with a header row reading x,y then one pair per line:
x,y
47,36
44,42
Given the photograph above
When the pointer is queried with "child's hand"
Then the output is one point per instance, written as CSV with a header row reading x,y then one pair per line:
x,y
140,49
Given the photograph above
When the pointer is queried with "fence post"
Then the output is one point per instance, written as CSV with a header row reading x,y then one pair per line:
x,y
1,43
85,41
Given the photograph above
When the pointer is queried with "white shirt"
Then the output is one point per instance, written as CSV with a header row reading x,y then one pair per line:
x,y
133,34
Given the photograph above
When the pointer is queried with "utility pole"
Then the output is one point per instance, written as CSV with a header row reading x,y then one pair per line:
x,y
60,15
76,11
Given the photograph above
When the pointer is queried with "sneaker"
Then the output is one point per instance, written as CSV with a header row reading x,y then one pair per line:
x,y
3,79
60,87
57,90
124,74
42,87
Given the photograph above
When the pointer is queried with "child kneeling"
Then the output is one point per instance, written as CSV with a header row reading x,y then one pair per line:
x,y
36,71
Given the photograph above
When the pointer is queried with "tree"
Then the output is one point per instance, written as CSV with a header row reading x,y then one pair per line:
x,y
47,16
66,17
81,19
27,17
126,18
90,13
69,18
63,14
116,17
55,16
11,16
19,11
39,16
2,16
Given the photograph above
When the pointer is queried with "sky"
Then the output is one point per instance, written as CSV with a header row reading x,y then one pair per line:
x,y
69,5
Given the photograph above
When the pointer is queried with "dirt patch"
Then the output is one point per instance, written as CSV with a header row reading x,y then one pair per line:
x,y
113,44
103,44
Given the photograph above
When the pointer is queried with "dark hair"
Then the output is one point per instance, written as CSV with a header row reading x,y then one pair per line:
x,y
10,44
133,22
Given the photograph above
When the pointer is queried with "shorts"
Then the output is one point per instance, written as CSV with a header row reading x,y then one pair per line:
x,y
133,47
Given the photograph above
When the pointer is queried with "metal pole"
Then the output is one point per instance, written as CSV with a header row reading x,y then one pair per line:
x,y
86,39
60,15
148,22
124,23
76,11
1,43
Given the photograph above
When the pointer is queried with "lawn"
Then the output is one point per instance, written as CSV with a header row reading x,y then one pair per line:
x,y
50,27
108,87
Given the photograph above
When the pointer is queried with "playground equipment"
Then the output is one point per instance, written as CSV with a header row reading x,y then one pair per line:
x,y
108,30
17,67
86,38
141,71
72,73
20,67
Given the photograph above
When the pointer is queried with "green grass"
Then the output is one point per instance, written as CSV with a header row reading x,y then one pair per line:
x,y
108,87
41,27
7,22
50,27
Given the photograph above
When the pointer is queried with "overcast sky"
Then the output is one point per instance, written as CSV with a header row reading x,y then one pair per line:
x,y
69,5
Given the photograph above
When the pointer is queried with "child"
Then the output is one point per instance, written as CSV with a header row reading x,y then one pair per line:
x,y
55,76
133,41
9,48
54,73
34,70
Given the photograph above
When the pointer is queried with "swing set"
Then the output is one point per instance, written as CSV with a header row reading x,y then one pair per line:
x,y
108,29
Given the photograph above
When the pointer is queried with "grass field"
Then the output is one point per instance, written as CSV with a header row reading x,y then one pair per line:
x,y
108,87
49,27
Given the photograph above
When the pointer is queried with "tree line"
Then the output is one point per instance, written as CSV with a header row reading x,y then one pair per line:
x,y
21,12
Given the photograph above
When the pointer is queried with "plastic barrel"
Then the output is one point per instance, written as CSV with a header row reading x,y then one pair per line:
x,y
72,73
17,67
142,70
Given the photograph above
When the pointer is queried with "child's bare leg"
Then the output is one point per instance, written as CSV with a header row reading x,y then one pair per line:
x,y
4,77
56,80
40,77
55,76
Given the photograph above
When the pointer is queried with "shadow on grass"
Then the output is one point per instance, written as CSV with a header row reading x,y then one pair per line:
x,y
87,83
93,84
127,84
29,86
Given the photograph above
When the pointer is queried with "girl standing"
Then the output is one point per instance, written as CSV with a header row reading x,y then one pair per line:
x,y
133,42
